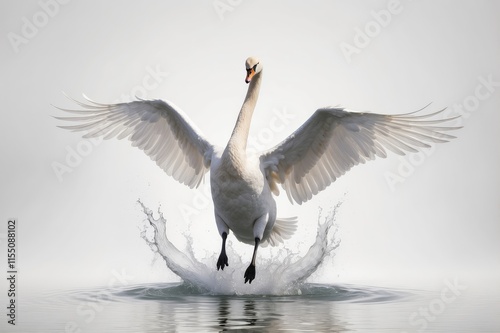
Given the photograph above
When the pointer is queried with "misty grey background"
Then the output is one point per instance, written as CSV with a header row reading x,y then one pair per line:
x,y
441,220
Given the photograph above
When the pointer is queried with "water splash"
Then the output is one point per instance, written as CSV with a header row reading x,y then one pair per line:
x,y
281,275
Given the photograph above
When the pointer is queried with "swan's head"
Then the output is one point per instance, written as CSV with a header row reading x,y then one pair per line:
x,y
253,67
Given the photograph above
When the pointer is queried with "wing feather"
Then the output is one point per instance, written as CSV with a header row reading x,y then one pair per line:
x,y
157,127
334,140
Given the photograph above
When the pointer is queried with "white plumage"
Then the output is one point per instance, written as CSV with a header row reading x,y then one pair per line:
x,y
327,145
334,140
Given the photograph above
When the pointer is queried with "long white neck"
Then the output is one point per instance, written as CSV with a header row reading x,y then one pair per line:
x,y
238,140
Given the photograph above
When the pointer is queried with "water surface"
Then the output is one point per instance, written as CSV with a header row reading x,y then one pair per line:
x,y
181,307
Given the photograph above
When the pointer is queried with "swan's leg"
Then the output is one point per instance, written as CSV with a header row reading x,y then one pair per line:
x,y
250,272
223,257
223,231
258,232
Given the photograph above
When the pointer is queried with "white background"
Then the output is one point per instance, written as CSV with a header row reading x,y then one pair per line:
x,y
440,220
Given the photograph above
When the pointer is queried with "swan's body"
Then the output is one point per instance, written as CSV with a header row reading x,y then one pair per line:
x,y
242,197
326,146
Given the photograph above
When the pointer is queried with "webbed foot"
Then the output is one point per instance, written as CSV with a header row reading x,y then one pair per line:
x,y
250,274
223,261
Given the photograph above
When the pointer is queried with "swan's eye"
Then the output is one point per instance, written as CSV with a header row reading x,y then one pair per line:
x,y
255,67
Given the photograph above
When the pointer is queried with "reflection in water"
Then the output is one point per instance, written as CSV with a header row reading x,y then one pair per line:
x,y
246,313
320,308
179,308
223,312
250,313
230,319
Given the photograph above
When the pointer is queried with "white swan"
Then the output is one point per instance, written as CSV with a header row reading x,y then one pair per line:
x,y
327,145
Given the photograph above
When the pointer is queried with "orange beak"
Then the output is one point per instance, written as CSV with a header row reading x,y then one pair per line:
x,y
250,74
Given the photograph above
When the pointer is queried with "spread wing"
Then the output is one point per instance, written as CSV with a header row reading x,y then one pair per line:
x,y
157,127
333,140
